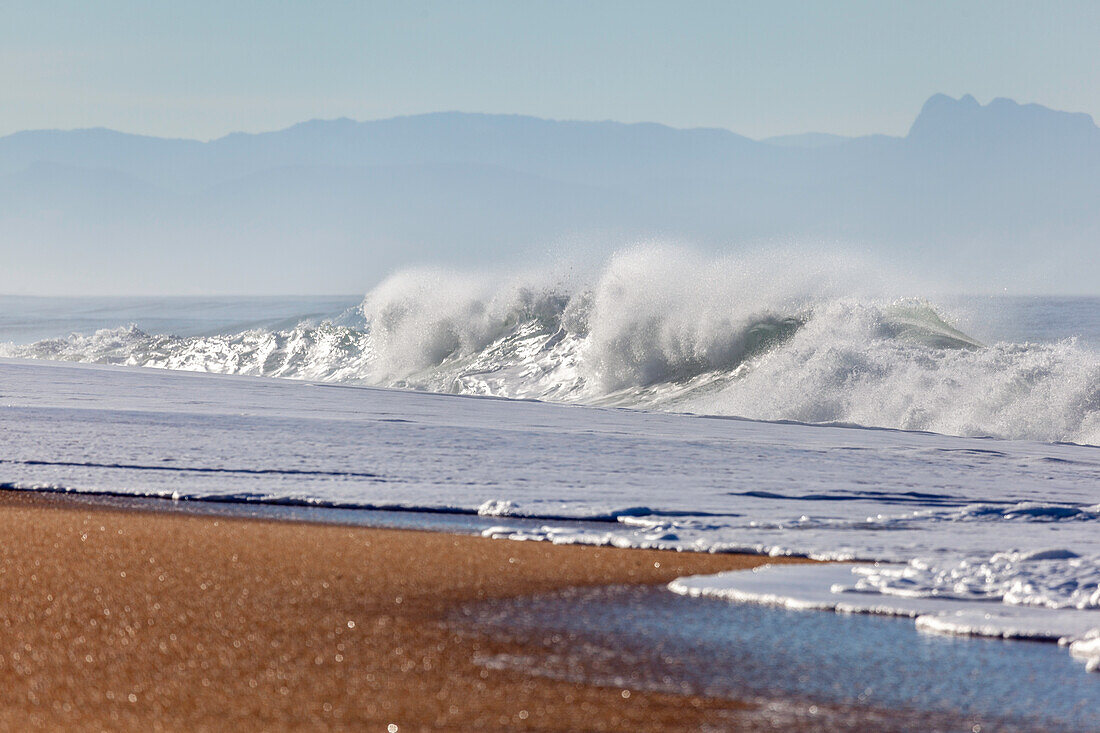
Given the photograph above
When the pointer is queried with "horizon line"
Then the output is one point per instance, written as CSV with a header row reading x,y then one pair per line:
x,y
521,115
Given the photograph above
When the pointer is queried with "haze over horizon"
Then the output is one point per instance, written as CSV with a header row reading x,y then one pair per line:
x,y
976,198
761,69
886,131
803,138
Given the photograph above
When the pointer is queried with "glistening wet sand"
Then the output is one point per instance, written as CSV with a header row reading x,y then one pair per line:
x,y
115,619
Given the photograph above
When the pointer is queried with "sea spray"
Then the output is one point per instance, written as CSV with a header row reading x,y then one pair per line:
x,y
780,336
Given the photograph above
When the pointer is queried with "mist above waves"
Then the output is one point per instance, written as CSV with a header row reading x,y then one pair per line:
x,y
827,339
1000,197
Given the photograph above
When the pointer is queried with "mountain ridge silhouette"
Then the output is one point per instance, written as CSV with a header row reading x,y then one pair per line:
x,y
980,197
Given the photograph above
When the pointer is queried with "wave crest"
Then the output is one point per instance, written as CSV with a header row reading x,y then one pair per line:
x,y
777,337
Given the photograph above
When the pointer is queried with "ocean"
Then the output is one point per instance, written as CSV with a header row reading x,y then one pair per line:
x,y
947,444
764,338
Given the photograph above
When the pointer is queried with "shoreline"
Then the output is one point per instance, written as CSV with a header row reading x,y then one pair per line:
x,y
137,619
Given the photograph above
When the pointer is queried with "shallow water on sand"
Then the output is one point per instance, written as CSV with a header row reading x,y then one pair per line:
x,y
655,639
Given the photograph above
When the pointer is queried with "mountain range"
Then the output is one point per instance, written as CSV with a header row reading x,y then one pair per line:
x,y
983,198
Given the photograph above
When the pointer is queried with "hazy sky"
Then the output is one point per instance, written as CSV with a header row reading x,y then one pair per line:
x,y
203,68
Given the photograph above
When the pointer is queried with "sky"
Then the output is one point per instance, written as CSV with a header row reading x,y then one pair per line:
x,y
201,69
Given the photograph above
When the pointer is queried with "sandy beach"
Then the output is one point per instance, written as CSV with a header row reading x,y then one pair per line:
x,y
549,366
132,620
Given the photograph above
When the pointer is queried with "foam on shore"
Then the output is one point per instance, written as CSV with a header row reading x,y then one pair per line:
x,y
840,589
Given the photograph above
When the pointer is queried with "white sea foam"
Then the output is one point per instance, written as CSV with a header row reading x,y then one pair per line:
x,y
1045,578
1088,649
830,588
776,338
970,521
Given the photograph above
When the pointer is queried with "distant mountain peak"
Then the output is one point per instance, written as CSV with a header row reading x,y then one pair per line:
x,y
943,118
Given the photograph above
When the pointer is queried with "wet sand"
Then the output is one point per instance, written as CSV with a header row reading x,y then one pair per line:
x,y
135,620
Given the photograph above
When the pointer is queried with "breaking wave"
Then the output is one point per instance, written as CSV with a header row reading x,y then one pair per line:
x,y
774,338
